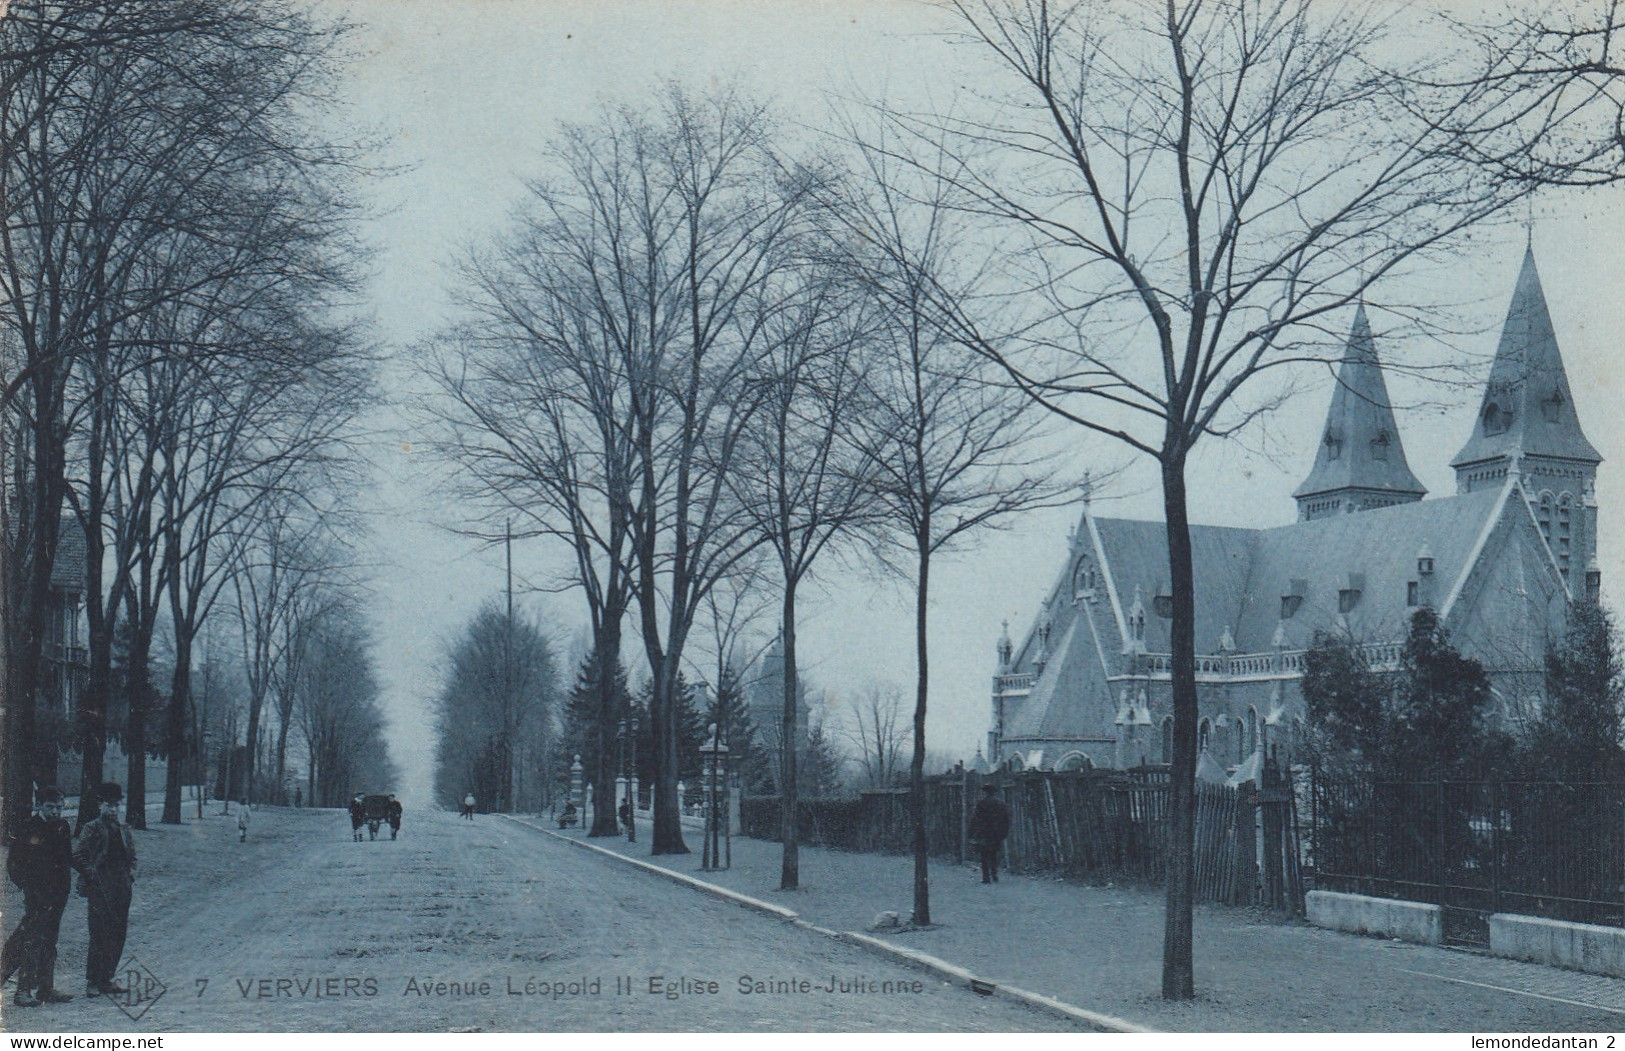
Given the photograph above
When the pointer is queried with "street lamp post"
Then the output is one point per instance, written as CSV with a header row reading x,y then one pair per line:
x,y
715,754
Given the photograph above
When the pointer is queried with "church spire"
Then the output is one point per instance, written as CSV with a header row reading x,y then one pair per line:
x,y
1528,409
1360,463
1526,429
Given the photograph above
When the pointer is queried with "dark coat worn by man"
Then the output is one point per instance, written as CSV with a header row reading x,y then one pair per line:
x,y
104,854
989,825
40,863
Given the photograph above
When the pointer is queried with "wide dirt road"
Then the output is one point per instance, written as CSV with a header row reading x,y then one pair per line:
x,y
481,926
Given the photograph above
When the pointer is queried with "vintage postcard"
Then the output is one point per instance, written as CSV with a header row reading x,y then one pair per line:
x,y
863,516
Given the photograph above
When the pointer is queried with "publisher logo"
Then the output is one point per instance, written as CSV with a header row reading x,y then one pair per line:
x,y
142,989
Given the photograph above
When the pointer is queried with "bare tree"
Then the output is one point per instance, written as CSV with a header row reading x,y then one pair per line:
x,y
802,483
952,448
876,726
1189,194
501,696
340,718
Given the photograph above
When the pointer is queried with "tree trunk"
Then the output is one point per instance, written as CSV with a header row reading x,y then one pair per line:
x,y
35,551
607,653
256,706
1178,972
135,736
916,778
789,785
175,728
667,837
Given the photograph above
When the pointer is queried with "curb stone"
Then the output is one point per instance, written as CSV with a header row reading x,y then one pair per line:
x,y
748,902
1092,1019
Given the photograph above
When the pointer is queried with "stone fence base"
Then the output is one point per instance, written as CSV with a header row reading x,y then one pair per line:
x,y
1579,946
1410,921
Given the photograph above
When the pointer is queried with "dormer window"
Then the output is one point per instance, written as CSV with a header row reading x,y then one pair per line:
x,y
1496,419
1348,596
1163,605
1334,445
1296,590
1552,407
1379,445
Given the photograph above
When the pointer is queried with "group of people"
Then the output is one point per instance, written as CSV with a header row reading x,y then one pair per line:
x,y
42,860
358,816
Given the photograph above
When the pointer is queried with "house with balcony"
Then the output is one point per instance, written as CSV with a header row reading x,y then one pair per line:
x,y
1088,685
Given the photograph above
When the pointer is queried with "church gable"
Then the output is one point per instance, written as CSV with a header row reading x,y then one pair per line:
x,y
1511,600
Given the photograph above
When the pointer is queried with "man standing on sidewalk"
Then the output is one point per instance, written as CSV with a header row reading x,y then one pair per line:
x,y
989,824
105,857
41,863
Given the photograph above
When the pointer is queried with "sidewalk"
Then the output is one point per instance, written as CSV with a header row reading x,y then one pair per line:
x,y
1101,949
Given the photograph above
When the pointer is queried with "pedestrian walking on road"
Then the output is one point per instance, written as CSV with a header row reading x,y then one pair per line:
x,y
104,854
468,806
989,824
40,863
394,817
298,798
243,817
358,814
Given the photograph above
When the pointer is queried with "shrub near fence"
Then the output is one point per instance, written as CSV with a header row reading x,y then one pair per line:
x,y
1098,825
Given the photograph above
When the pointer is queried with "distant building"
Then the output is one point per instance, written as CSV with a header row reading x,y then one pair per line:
x,y
1501,561
764,702
66,668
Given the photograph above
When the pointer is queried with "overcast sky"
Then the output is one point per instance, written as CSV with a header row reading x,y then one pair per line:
x,y
468,91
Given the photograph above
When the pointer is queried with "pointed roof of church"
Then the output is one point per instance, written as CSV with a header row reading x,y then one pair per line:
x,y
1528,408
1360,446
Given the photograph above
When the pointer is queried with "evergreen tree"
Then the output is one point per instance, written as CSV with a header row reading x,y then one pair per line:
x,y
579,736
1578,735
821,768
1344,705
1439,721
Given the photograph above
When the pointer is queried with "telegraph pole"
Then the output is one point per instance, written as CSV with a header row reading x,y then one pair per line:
x,y
507,676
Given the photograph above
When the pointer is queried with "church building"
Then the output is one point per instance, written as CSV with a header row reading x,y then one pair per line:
x,y
1500,561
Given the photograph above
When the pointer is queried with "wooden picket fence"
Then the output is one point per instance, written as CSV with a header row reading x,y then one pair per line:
x,y
1092,825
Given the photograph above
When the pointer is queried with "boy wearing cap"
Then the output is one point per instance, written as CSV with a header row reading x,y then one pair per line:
x,y
104,854
40,863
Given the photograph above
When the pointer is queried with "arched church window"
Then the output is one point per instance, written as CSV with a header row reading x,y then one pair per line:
x,y
1496,419
1565,528
1083,578
1204,731
1544,516
1168,739
1252,730
1379,446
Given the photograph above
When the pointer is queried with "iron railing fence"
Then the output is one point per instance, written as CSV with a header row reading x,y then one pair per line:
x,y
1541,848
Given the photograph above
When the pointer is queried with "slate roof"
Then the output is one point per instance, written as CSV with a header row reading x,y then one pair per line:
x,y
1528,381
1360,446
68,571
